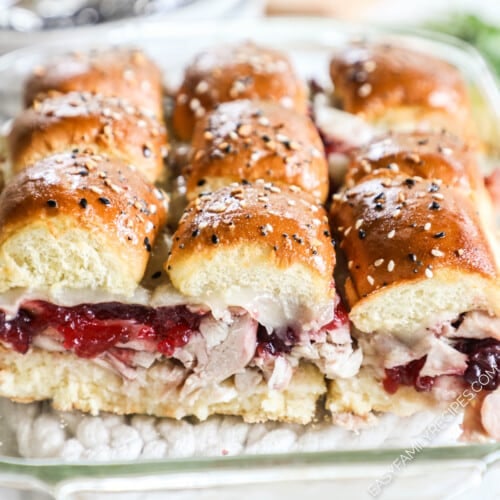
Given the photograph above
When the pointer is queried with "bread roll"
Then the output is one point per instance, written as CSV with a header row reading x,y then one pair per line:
x,y
400,88
73,383
117,72
416,250
226,73
257,140
78,221
87,122
258,239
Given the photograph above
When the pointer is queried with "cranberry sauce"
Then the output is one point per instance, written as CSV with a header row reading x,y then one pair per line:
x,y
483,367
90,329
407,375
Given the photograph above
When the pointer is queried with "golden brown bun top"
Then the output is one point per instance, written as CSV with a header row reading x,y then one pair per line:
x,y
372,78
83,120
395,229
258,140
103,195
226,73
427,155
118,72
283,218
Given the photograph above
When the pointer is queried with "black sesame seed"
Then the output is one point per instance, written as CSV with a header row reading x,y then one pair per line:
x,y
410,182
434,205
83,173
284,235
195,233
83,202
433,188
422,142
314,251
326,233
156,275
52,203
379,196
146,151
275,248
379,207
439,235
266,138
147,244
104,200
362,234
245,182
215,239
201,182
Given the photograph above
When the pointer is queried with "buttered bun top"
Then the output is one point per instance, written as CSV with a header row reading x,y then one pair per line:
x,y
431,155
400,87
92,123
80,222
117,72
226,73
257,140
416,249
259,243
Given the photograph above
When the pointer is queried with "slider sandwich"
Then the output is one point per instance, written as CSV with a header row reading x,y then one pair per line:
x,y
243,319
126,74
423,282
82,121
254,140
242,71
379,88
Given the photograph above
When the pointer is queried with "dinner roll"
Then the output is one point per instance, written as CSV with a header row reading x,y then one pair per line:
x,y
96,124
257,140
116,72
78,221
226,73
400,88
416,251
257,239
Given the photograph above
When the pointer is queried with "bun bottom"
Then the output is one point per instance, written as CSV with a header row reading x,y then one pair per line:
x,y
364,395
73,383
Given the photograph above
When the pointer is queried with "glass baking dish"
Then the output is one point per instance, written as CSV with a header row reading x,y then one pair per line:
x,y
455,471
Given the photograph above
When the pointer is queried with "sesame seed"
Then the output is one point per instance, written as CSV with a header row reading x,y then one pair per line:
x,y
439,235
195,233
365,90
52,203
83,203
396,213
428,273
438,196
393,167
156,275
434,205
390,266
347,231
361,234
359,223
460,252
391,234
215,239
202,87
146,151
412,257
147,244
350,264
409,182
433,188
104,200
437,253
291,202
244,130
427,226
263,121
95,190
378,262
370,280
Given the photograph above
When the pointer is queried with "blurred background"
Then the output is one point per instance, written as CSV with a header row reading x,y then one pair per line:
x,y
24,22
